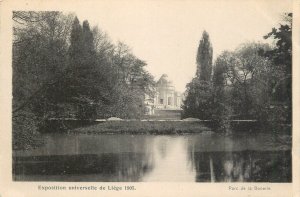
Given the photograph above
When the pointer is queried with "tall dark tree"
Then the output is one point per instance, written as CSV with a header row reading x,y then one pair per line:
x,y
198,99
84,79
75,49
204,58
219,109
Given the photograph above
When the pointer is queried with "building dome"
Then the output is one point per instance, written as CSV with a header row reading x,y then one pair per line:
x,y
164,82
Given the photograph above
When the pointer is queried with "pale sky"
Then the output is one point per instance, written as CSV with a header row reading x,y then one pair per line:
x,y
166,34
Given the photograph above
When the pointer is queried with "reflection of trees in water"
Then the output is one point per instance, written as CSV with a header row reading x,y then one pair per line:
x,y
230,160
162,147
257,166
90,158
236,168
131,167
129,158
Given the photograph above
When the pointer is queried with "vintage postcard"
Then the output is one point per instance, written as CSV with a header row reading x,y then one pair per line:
x,y
149,98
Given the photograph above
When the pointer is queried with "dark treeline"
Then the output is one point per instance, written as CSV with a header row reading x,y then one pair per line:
x,y
65,69
252,82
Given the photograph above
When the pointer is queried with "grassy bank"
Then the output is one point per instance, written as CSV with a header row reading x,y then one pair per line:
x,y
144,127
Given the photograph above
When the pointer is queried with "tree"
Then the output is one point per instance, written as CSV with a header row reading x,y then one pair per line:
x,y
85,80
64,69
281,56
39,53
245,78
39,59
220,110
198,100
76,42
204,58
199,91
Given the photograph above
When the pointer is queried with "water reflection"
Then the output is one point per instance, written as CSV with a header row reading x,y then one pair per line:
x,y
200,158
170,160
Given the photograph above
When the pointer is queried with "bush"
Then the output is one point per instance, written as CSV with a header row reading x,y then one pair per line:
x,y
25,133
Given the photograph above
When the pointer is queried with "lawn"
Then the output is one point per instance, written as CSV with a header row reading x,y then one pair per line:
x,y
145,127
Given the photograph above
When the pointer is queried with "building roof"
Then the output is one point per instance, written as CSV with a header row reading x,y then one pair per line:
x,y
164,81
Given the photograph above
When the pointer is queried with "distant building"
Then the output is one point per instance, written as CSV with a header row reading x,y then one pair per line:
x,y
166,97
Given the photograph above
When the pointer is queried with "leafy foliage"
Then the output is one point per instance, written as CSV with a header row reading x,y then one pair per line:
x,y
62,69
198,102
281,56
252,82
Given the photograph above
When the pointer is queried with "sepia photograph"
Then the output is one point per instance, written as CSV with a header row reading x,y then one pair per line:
x,y
165,92
145,98
149,98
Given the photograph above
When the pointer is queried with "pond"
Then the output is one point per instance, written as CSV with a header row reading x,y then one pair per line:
x,y
140,158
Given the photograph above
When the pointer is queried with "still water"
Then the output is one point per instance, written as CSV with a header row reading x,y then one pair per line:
x,y
188,158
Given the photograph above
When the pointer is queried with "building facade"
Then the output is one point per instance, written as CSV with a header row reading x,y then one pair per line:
x,y
166,97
